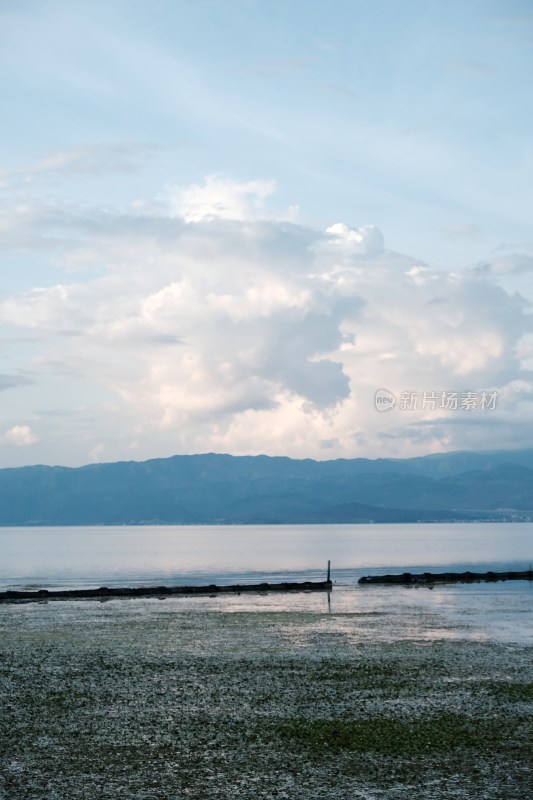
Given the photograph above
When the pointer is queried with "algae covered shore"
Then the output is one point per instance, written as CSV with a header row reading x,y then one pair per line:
x,y
224,699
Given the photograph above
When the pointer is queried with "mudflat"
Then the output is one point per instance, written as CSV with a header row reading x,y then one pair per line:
x,y
192,699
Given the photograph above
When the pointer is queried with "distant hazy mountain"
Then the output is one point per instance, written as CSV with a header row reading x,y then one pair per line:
x,y
228,489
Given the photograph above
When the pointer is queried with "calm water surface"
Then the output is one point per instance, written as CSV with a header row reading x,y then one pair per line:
x,y
96,556
86,556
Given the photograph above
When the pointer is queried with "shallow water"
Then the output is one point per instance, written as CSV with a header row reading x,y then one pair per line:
x,y
74,557
91,556
500,612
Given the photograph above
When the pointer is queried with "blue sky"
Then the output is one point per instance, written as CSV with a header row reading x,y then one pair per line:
x,y
225,225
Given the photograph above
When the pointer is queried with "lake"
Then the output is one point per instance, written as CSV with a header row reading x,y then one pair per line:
x,y
95,556
91,556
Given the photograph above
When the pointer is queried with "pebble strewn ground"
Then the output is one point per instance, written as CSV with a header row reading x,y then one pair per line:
x,y
154,701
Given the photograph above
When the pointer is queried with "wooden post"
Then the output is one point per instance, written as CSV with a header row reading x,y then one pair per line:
x,y
329,572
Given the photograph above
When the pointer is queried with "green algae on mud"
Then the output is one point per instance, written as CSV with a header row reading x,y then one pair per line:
x,y
408,737
146,703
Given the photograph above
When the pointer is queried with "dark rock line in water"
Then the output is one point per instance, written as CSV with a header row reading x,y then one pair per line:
x,y
105,592
410,578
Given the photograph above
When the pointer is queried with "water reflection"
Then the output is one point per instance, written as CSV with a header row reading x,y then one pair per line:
x,y
230,554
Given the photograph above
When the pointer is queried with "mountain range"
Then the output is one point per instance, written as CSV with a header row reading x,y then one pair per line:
x,y
224,489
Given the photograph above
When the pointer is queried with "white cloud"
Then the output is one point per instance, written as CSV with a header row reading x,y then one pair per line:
x,y
248,333
20,436
353,243
217,198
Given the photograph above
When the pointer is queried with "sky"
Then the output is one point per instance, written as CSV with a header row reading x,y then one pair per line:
x,y
254,226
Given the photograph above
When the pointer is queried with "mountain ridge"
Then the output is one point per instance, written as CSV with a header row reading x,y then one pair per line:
x,y
216,488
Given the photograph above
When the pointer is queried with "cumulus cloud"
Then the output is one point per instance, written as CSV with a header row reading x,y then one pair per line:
x,y
218,325
220,199
20,436
347,243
